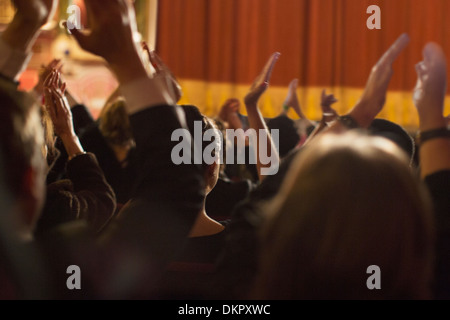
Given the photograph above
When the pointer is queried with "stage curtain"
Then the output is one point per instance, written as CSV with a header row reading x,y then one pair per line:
x,y
217,47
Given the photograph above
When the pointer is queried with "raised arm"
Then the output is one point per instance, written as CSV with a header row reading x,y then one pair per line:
x,y
291,101
167,197
374,96
17,40
429,96
329,115
267,164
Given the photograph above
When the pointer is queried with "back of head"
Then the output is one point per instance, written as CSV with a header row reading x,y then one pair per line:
x,y
289,136
395,133
114,124
193,117
350,202
21,138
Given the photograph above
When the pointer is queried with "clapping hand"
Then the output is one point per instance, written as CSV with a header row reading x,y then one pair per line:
x,y
429,93
173,87
374,95
57,105
328,113
35,12
261,83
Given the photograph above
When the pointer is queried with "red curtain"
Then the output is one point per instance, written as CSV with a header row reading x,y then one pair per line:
x,y
324,43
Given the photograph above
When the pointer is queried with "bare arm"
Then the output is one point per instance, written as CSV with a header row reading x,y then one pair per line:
x,y
429,96
266,164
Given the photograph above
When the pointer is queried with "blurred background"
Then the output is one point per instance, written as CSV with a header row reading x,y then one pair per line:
x,y
216,48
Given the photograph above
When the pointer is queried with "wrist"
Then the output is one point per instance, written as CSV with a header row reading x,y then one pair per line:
x,y
432,134
430,122
361,115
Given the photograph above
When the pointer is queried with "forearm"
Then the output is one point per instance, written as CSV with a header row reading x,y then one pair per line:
x,y
16,44
257,123
434,153
72,145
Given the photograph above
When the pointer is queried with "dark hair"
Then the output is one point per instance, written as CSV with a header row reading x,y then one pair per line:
x,y
193,115
21,136
395,133
289,136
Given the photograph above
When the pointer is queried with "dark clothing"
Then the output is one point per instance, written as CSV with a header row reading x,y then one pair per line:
x,y
439,187
192,273
120,178
82,119
225,196
155,224
237,264
85,195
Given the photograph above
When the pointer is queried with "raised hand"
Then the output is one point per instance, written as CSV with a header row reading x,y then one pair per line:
x,y
57,105
229,113
261,83
44,73
36,12
429,93
326,101
161,69
113,26
31,15
291,100
374,95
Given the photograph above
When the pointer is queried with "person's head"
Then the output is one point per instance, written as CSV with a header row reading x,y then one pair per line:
x,y
210,170
289,136
22,143
395,133
114,124
350,201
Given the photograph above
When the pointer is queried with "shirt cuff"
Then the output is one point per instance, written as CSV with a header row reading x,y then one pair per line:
x,y
12,61
145,93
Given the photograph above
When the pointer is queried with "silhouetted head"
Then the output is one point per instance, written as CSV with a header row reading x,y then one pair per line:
x,y
211,171
22,143
349,202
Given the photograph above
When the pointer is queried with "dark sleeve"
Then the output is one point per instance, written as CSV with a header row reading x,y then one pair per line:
x,y
82,118
237,264
85,195
439,187
167,197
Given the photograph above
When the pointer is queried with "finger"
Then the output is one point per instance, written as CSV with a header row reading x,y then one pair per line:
x,y
63,88
264,77
55,82
50,79
49,103
434,56
394,51
47,80
293,85
157,62
53,64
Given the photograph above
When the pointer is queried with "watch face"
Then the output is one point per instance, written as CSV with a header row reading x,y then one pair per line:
x,y
349,122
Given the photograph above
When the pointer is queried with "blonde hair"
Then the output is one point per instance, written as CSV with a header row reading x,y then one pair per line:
x,y
114,124
350,202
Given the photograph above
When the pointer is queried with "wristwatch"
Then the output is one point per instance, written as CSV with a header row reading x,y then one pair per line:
x,y
348,121
433,134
